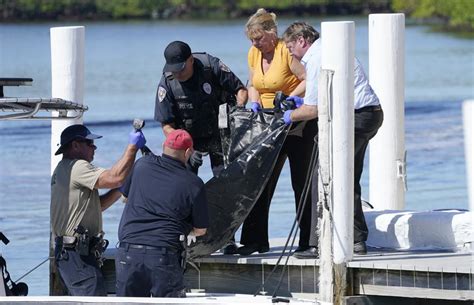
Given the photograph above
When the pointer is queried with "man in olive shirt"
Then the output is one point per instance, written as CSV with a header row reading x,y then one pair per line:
x,y
76,207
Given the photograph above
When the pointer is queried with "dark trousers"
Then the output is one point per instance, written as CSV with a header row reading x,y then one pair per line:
x,y
80,274
149,272
298,150
366,124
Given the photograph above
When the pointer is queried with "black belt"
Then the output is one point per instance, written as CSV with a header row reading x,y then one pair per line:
x,y
369,109
163,250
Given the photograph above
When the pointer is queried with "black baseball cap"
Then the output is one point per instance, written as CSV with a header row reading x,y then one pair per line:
x,y
176,54
75,132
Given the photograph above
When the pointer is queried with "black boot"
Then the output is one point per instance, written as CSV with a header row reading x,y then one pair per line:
x,y
360,248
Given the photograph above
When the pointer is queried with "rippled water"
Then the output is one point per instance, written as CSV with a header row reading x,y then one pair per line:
x,y
123,64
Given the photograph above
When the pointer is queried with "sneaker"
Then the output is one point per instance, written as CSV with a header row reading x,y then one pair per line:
x,y
360,248
230,248
302,248
310,252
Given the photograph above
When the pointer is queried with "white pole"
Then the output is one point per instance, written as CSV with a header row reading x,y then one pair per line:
x,y
468,118
338,55
67,73
387,78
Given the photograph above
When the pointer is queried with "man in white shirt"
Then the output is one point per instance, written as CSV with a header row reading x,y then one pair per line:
x,y
303,42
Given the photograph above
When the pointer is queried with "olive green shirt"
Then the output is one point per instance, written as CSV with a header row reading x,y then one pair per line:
x,y
74,201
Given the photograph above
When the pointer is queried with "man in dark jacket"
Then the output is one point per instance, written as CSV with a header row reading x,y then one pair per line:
x,y
166,203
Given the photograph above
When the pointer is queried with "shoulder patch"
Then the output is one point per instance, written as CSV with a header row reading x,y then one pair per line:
x,y
161,93
223,67
207,88
92,167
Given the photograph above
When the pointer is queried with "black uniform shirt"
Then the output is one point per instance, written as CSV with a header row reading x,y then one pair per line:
x,y
165,200
165,103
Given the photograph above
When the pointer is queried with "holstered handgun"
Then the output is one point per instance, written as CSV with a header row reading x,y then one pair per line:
x,y
83,241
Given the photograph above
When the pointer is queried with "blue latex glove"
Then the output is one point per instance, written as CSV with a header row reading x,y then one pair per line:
x,y
255,107
137,138
287,117
298,100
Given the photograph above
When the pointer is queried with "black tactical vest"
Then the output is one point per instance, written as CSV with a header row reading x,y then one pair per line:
x,y
197,109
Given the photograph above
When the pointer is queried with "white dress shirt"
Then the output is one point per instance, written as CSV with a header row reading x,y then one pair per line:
x,y
364,95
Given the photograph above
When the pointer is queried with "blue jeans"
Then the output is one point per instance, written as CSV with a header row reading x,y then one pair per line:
x,y
80,274
148,272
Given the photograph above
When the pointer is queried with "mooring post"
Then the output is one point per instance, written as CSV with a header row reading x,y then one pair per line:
x,y
67,77
67,81
338,55
387,164
468,119
326,278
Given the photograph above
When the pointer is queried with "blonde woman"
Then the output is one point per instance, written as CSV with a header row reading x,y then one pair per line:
x,y
272,69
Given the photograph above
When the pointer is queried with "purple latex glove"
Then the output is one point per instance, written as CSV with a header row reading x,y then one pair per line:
x,y
298,100
255,107
287,117
122,189
137,138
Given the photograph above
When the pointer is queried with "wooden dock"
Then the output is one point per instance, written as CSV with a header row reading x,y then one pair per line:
x,y
431,275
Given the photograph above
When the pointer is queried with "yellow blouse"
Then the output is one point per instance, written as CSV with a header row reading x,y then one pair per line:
x,y
278,76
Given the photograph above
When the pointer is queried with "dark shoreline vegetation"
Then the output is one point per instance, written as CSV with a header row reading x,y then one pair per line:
x,y
445,15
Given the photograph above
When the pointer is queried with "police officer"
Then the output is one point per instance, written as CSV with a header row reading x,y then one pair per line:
x,y
188,97
165,201
76,207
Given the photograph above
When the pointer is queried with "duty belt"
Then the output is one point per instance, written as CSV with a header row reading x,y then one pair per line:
x,y
66,241
96,245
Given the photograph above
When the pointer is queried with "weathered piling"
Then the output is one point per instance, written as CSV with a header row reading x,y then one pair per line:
x,y
338,55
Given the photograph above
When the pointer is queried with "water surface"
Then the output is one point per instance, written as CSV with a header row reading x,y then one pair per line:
x,y
122,68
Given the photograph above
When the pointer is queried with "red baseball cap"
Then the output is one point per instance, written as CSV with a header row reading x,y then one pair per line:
x,y
179,139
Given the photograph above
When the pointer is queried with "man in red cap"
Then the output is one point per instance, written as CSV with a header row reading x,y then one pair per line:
x,y
166,202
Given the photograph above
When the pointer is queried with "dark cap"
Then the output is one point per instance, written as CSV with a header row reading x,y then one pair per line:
x,y
179,139
75,132
176,54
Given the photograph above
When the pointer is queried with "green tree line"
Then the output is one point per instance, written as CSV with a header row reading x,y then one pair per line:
x,y
455,14
164,9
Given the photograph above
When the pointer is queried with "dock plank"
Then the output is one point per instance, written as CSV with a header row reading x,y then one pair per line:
x,y
418,274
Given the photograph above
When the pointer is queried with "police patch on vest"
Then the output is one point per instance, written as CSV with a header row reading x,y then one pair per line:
x,y
207,88
223,67
185,106
161,93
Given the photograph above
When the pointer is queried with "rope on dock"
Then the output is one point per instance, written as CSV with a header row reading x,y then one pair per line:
x,y
34,268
